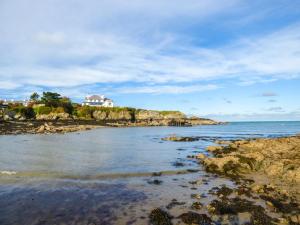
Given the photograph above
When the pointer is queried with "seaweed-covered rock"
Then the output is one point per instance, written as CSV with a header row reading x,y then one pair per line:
x,y
195,218
237,205
160,217
278,159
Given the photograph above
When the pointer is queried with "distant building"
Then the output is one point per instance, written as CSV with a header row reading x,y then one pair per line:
x,y
96,100
12,101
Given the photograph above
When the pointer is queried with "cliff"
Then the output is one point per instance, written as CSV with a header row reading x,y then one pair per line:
x,y
117,116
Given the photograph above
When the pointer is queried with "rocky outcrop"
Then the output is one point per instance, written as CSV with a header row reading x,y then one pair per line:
x,y
54,116
180,139
158,115
202,121
278,159
50,128
123,115
100,115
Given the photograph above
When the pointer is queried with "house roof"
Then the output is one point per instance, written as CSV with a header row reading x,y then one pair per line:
x,y
94,97
97,97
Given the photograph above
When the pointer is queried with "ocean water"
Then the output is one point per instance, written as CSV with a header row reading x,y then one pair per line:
x,y
121,150
104,176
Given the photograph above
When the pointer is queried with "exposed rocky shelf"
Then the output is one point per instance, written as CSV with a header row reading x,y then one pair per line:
x,y
12,122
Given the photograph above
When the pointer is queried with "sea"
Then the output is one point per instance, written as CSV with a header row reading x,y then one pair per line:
x,y
112,175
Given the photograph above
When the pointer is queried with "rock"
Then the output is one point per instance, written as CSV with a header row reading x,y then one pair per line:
x,y
158,115
121,115
180,139
178,164
213,148
295,219
244,218
17,116
197,205
269,204
283,221
100,115
202,121
277,159
22,118
53,116
195,218
160,217
210,209
200,156
41,129
223,142
148,115
7,118
155,181
257,188
196,196
174,203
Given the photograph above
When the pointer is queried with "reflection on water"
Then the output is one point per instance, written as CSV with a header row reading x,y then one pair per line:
x,y
59,179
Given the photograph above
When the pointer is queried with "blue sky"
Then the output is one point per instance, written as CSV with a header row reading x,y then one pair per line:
x,y
227,60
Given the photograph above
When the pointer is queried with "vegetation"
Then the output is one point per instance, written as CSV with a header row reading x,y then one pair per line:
x,y
34,97
43,110
51,102
26,112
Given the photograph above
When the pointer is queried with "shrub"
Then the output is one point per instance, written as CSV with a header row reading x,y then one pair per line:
x,y
59,110
85,112
43,110
27,112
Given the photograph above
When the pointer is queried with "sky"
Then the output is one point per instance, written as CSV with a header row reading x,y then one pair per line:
x,y
230,60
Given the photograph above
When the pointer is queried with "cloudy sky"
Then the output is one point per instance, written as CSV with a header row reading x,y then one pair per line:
x,y
225,59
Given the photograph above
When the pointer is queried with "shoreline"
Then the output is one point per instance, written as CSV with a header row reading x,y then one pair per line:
x,y
67,126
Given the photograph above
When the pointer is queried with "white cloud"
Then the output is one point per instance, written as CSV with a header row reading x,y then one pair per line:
x,y
8,85
275,109
50,38
167,89
104,42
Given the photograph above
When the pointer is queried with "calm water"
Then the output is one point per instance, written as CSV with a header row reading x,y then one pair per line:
x,y
125,150
60,178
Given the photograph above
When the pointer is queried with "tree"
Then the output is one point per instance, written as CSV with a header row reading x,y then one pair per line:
x,y
51,99
34,97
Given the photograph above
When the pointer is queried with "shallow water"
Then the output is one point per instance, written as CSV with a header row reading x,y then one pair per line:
x,y
104,176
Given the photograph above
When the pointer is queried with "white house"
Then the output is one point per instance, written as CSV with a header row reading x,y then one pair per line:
x,y
96,100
